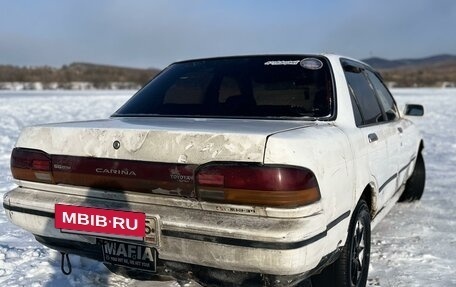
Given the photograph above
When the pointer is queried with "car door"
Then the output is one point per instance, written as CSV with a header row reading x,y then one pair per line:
x,y
376,130
403,148
397,157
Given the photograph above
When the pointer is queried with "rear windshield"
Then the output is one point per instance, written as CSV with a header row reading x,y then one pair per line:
x,y
257,87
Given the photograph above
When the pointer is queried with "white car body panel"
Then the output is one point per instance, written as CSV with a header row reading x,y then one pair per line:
x,y
158,139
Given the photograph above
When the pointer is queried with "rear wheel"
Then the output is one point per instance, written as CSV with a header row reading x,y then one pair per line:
x,y
414,187
352,267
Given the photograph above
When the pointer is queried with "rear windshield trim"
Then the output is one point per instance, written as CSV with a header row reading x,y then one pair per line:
x,y
306,118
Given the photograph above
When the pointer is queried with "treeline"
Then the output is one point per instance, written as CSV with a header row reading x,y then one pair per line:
x,y
434,71
99,76
442,76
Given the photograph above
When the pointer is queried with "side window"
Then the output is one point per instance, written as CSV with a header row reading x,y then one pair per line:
x,y
386,100
188,89
229,87
355,107
364,96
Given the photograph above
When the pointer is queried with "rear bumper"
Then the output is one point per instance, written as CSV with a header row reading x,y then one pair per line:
x,y
184,272
190,235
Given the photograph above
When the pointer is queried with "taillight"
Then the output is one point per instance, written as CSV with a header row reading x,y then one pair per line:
x,y
274,186
31,165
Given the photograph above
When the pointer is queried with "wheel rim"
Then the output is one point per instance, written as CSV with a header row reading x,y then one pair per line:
x,y
357,253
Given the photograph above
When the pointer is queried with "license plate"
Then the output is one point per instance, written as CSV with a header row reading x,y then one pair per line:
x,y
129,255
99,221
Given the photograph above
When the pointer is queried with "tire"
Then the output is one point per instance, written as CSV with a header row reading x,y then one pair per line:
x,y
414,187
352,266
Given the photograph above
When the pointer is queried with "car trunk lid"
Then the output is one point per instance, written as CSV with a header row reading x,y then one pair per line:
x,y
155,155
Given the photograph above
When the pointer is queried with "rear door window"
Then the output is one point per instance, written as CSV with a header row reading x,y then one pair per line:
x,y
384,96
364,97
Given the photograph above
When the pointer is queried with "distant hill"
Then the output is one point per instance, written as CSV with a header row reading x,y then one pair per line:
x,y
435,71
91,75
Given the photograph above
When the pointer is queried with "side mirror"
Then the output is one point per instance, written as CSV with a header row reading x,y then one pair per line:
x,y
414,110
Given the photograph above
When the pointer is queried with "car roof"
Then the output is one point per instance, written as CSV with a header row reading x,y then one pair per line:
x,y
329,56
250,56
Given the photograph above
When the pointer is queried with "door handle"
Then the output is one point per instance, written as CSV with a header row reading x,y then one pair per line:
x,y
372,137
400,130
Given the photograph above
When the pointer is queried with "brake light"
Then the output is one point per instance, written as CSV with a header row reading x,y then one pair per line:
x,y
41,165
31,165
257,185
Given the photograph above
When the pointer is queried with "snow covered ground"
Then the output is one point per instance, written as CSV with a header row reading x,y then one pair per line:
x,y
415,245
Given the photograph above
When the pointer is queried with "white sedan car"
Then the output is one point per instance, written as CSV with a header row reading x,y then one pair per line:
x,y
236,171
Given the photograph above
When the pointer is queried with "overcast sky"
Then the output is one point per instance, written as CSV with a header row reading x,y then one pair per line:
x,y
152,33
